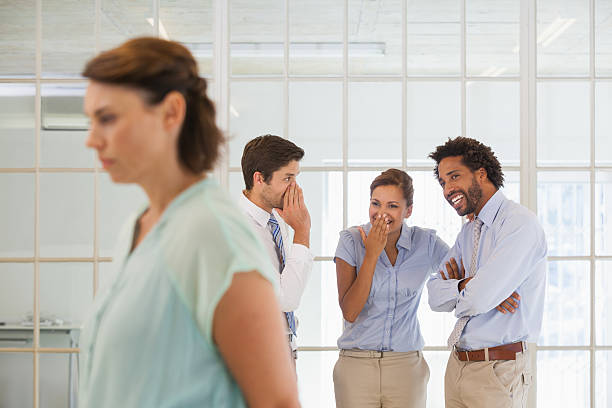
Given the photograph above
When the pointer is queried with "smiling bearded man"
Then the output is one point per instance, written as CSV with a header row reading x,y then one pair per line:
x,y
504,249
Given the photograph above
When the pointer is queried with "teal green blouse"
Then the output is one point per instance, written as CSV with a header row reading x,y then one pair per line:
x,y
148,341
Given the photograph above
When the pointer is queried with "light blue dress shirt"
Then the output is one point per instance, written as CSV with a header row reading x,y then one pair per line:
x,y
148,342
388,320
511,257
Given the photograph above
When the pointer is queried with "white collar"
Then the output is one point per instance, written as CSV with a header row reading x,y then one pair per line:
x,y
258,214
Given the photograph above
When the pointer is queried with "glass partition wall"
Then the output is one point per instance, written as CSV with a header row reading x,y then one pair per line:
x,y
361,86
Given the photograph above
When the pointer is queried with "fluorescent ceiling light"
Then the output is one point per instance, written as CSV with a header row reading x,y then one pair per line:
x,y
296,49
162,29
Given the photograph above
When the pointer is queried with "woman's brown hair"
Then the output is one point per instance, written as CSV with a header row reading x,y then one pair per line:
x,y
158,67
395,177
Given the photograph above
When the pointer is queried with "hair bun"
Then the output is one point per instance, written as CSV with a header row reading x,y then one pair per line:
x,y
199,86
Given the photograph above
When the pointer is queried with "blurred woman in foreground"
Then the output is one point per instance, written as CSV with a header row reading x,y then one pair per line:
x,y
191,318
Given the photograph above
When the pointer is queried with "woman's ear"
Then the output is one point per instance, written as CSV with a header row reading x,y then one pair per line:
x,y
408,212
174,108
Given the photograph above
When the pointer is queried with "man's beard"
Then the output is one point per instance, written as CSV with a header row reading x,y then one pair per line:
x,y
472,198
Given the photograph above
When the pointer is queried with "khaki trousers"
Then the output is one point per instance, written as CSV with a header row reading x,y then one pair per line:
x,y
487,384
364,379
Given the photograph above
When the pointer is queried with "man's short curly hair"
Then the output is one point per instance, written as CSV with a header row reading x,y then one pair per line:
x,y
473,154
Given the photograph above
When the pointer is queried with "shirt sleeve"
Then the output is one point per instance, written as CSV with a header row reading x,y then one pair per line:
x,y
519,246
346,248
294,278
443,293
206,252
437,251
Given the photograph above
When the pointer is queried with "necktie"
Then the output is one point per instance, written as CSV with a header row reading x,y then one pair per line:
x,y
462,321
278,240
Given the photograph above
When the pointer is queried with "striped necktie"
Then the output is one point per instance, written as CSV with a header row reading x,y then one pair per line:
x,y
462,321
280,250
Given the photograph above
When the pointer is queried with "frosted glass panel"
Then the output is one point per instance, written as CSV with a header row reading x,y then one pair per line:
x,y
493,117
436,360
17,215
563,379
257,36
315,378
315,121
17,125
323,196
106,275
564,212
235,185
492,30
375,124
16,295
563,37
256,108
603,382
124,19
116,202
433,37
603,38
563,124
64,127
18,39
16,379
603,213
68,36
603,123
58,380
319,313
191,23
316,46
433,114
512,186
603,302
66,292
435,326
66,215
567,304
375,38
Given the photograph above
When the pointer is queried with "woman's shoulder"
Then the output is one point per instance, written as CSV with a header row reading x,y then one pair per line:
x,y
352,233
421,232
212,218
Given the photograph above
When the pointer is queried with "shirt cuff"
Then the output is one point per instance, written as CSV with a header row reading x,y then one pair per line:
x,y
450,290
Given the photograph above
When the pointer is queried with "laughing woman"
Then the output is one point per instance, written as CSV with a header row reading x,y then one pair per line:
x,y
191,318
381,269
